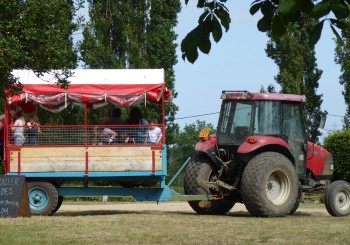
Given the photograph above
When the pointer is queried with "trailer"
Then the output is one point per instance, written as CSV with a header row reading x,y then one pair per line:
x,y
66,154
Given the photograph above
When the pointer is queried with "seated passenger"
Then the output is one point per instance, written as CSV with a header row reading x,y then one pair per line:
x,y
116,119
33,129
136,118
153,133
122,136
103,135
108,136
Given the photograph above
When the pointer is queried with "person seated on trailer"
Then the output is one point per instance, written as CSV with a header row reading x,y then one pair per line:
x,y
107,135
136,117
33,129
116,120
18,129
153,133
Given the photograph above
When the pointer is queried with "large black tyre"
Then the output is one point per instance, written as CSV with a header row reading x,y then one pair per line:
x,y
42,197
338,198
269,185
201,168
297,202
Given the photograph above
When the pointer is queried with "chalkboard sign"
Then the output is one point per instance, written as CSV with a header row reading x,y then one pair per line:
x,y
13,197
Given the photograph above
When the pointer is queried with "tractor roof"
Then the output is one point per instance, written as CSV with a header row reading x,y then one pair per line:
x,y
245,95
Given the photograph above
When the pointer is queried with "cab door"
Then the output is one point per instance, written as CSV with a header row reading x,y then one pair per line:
x,y
293,130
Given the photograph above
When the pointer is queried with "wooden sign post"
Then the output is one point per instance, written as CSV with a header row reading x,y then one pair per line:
x,y
13,197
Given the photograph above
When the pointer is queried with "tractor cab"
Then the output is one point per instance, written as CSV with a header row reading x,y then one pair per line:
x,y
246,114
249,121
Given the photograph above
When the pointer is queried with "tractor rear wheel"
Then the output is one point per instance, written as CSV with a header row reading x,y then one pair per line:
x,y
338,198
201,168
297,202
43,198
269,185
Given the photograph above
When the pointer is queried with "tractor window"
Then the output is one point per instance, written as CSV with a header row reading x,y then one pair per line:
x,y
234,124
292,126
242,116
267,118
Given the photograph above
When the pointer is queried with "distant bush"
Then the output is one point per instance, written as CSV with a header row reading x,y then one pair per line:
x,y
338,144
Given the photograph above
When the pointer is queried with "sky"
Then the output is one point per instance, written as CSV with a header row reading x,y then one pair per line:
x,y
239,62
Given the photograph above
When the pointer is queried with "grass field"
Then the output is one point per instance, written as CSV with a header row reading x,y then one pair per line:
x,y
77,223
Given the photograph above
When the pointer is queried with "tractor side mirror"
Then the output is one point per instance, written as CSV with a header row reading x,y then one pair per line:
x,y
323,121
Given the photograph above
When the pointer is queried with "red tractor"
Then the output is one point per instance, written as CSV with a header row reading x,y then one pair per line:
x,y
260,156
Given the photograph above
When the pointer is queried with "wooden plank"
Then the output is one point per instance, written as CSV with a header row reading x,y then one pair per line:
x,y
101,159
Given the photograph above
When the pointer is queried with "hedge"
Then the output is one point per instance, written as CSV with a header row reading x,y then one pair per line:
x,y
338,144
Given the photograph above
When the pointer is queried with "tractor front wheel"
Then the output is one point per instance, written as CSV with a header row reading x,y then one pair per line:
x,y
338,198
201,168
269,185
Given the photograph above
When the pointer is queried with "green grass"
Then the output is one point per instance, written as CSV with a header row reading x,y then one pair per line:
x,y
173,227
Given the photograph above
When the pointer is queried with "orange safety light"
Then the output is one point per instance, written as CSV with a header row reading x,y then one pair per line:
x,y
252,140
203,135
203,138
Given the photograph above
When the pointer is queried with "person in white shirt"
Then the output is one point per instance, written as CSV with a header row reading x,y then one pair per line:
x,y
18,128
153,133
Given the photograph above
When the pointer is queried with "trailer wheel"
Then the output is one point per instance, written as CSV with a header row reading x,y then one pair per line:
x,y
43,198
59,204
269,185
338,198
201,168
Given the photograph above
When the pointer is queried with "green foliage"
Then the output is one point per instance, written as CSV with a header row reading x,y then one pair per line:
x,y
36,35
342,58
276,17
210,23
184,143
338,144
298,72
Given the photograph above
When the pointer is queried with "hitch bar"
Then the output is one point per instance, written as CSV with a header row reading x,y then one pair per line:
x,y
215,185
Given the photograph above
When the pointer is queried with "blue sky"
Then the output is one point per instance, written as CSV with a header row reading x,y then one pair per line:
x,y
239,62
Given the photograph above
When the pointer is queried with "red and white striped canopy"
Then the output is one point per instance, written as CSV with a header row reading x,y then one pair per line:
x,y
92,87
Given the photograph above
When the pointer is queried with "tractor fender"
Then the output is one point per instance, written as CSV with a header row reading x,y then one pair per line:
x,y
319,162
207,147
256,144
209,143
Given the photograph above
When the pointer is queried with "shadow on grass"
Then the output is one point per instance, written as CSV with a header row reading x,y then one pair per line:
x,y
119,212
158,212
239,214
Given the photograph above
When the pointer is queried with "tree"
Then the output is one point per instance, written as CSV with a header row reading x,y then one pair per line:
x,y
276,16
184,145
342,58
133,34
36,35
298,72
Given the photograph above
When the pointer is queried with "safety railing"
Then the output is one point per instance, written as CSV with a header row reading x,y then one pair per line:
x,y
79,134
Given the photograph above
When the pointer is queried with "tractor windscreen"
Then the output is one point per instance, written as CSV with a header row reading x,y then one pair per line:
x,y
239,119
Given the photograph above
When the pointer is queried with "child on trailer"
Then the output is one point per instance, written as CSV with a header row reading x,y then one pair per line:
x,y
153,133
